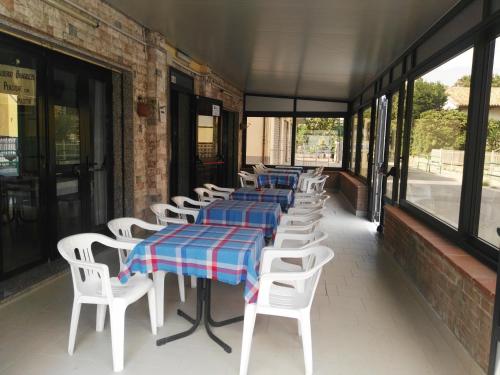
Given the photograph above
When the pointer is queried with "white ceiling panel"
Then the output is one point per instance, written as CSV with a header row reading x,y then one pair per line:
x,y
320,48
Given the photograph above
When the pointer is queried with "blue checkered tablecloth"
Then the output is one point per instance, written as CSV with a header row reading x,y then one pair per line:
x,y
264,215
282,196
285,179
227,254
297,168
283,171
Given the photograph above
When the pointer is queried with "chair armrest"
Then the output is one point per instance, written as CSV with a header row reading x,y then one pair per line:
x,y
295,228
152,227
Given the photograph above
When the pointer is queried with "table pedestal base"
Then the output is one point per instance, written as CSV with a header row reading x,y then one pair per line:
x,y
203,297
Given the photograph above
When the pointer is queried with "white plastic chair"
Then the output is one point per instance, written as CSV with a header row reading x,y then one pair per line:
x,y
306,209
186,202
286,301
161,210
205,195
300,219
297,241
247,179
314,184
311,199
219,189
122,230
93,285
300,227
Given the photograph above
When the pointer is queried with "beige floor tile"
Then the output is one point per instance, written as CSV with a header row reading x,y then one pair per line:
x,y
367,318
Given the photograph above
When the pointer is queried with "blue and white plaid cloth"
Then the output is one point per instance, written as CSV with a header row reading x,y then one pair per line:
x,y
282,196
262,215
284,179
227,254
285,167
283,171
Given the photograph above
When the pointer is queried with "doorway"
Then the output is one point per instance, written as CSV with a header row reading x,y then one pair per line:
x,y
230,141
55,152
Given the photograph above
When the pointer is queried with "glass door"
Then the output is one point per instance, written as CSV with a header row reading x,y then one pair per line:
x,y
21,162
209,159
69,150
378,159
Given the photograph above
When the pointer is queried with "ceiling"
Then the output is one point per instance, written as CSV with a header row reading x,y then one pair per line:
x,y
309,48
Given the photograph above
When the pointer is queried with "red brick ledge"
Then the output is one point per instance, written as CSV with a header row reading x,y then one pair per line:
x,y
481,275
353,180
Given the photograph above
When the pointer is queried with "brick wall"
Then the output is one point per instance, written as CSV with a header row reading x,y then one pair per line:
x,y
355,191
457,286
125,45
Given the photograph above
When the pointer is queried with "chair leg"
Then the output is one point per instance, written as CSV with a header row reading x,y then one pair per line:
x,y
305,325
75,316
117,320
159,285
193,282
152,309
182,289
100,317
246,345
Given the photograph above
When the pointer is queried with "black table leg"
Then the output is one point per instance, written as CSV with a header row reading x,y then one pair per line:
x,y
203,295
208,311
195,322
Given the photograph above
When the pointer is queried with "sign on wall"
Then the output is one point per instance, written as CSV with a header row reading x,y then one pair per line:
x,y
20,82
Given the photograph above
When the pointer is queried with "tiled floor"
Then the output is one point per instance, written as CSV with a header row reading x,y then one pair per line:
x,y
367,319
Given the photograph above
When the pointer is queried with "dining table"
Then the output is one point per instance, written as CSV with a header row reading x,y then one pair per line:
x,y
282,196
247,214
282,178
228,254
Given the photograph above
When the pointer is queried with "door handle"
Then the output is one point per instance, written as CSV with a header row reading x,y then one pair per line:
x,y
76,170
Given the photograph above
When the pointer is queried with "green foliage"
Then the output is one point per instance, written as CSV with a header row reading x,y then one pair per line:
x,y
438,129
329,127
465,81
428,96
493,140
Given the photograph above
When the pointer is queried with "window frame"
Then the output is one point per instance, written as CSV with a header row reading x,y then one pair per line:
x,y
475,123
294,115
321,116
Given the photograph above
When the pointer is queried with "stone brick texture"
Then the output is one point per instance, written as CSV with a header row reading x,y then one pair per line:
x,y
144,53
355,191
458,287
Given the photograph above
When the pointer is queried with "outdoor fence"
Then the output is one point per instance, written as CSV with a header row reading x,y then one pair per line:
x,y
446,162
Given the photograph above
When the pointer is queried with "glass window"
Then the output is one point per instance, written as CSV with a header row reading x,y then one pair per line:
x,y
365,142
354,135
392,142
269,140
319,142
439,123
489,217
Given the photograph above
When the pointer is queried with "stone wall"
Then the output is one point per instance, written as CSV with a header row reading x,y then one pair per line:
x,y
120,43
458,287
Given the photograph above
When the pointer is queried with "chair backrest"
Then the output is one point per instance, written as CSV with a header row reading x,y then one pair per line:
x,y
122,230
180,201
298,240
205,195
315,184
219,189
161,211
314,259
247,179
122,227
90,279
